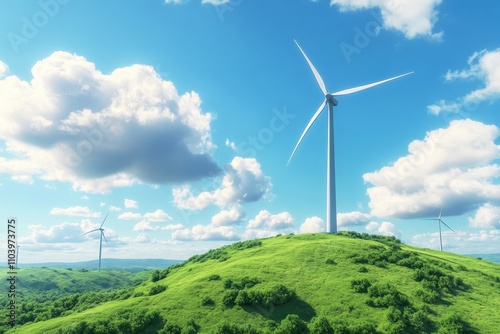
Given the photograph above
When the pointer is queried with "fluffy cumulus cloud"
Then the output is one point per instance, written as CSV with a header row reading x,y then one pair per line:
x,y
130,204
3,69
243,182
264,218
482,242
487,216
483,66
72,123
229,217
75,211
413,18
148,219
451,168
385,228
352,218
209,232
66,232
312,225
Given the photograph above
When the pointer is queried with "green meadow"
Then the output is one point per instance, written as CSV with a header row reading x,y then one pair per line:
x,y
309,283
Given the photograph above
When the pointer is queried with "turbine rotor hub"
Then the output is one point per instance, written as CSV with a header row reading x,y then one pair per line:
x,y
331,99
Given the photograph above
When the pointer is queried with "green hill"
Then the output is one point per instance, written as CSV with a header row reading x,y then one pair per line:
x,y
311,283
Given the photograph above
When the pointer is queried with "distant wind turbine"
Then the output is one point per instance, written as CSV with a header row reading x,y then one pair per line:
x,y
17,254
100,241
440,221
331,212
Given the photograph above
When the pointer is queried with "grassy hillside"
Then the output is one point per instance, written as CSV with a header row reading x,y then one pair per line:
x,y
39,290
133,265
317,283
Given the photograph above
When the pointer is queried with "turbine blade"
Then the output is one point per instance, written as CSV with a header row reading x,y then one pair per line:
x,y
90,232
446,225
104,236
359,88
320,109
104,219
429,219
316,74
440,211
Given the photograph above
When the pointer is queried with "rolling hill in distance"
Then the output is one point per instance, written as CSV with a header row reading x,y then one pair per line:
x,y
308,283
133,265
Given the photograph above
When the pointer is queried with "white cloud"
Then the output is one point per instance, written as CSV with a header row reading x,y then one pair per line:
x,y
75,211
259,234
72,123
229,217
264,218
312,225
487,216
385,228
413,18
243,182
230,144
483,66
130,204
143,238
144,225
484,242
209,232
450,169
352,218
65,233
84,197
215,2
114,208
157,216
3,69
130,216
172,227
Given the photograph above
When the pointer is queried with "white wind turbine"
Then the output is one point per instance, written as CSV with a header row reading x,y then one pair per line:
x,y
100,241
440,221
331,212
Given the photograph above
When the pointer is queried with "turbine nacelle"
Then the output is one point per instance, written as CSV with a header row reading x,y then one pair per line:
x,y
331,100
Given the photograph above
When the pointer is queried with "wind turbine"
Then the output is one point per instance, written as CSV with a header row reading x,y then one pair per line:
x,y
331,212
440,221
100,241
17,255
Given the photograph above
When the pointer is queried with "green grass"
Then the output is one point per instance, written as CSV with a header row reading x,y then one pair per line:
x,y
319,269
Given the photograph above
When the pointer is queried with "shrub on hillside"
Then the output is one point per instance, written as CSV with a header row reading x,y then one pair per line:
x,y
292,324
156,289
207,301
360,285
385,295
214,277
225,327
229,297
320,325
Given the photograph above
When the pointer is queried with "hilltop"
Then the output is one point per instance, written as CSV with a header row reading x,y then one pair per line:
x,y
316,283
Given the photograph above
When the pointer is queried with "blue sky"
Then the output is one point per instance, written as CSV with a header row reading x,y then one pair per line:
x,y
179,117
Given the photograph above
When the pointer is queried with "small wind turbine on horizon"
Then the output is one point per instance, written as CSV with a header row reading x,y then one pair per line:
x,y
331,211
440,221
100,241
17,255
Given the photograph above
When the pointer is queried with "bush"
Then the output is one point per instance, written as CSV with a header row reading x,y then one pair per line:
x,y
170,328
229,297
453,324
292,324
320,325
207,301
385,295
156,289
362,269
428,296
330,261
214,277
225,327
360,285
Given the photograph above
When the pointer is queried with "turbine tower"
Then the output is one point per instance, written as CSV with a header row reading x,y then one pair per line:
x,y
100,241
440,221
331,211
17,255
